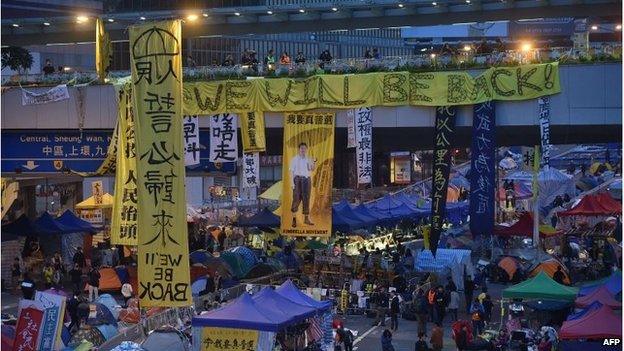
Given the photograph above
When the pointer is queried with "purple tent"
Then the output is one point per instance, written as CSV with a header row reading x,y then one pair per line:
x,y
291,292
268,298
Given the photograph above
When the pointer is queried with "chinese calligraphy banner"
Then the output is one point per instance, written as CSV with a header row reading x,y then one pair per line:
x,y
52,322
364,144
103,50
544,121
350,128
228,339
308,173
124,215
252,127
483,169
443,139
223,138
28,327
156,62
251,170
372,89
192,147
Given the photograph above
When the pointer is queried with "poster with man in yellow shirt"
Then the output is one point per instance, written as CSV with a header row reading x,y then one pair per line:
x,y
307,173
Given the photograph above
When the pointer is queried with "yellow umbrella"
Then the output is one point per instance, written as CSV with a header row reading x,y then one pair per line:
x,y
107,202
273,193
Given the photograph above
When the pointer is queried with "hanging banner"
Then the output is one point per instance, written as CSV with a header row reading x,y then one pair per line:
x,y
348,91
364,144
58,93
228,339
52,322
223,138
544,119
190,127
28,329
483,169
10,191
103,50
124,215
252,129
307,174
350,128
251,170
443,139
97,191
163,265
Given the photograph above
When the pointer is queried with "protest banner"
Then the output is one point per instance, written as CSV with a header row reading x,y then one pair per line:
x,y
163,265
307,173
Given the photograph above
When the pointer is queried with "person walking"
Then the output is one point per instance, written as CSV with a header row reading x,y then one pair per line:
x,y
386,341
394,311
94,283
440,304
476,315
431,300
16,273
469,287
421,311
453,304
437,337
75,274
72,309
79,258
487,308
344,338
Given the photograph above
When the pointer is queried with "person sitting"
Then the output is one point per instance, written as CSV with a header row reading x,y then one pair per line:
x,y
368,55
300,59
228,62
376,54
269,60
285,59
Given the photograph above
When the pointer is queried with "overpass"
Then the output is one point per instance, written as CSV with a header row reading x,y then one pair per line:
x,y
306,16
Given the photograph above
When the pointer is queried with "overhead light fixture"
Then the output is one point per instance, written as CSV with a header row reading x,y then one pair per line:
x,y
526,47
594,27
66,68
82,19
334,9
270,12
467,1
15,25
205,14
192,17
434,3
401,5
432,56
467,48
111,20
142,18
618,27
236,13
301,11
423,49
46,23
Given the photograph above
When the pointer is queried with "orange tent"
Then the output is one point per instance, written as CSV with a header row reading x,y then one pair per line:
x,y
509,265
109,280
550,267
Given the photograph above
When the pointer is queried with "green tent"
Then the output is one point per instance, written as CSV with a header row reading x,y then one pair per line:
x,y
236,263
541,287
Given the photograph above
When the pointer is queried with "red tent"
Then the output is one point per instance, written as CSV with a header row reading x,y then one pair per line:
x,y
594,205
523,227
601,295
598,324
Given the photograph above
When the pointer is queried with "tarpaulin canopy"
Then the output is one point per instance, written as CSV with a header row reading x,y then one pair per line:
x,y
242,313
551,183
523,227
290,291
601,323
580,314
541,287
69,219
268,298
89,203
344,224
22,226
612,282
264,218
364,219
601,295
548,305
594,205
341,205
46,224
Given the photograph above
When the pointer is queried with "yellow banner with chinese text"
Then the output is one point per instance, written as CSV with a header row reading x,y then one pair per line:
x,y
103,50
307,174
372,89
252,128
124,216
228,339
156,62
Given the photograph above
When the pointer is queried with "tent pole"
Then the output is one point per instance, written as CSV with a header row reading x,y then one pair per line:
x,y
536,168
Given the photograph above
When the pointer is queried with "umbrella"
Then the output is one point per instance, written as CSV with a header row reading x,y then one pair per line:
x,y
87,334
102,315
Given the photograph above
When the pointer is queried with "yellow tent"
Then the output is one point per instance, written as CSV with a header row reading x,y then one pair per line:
x,y
273,193
107,202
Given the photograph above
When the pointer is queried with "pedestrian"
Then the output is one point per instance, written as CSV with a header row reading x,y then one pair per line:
x,y
381,303
48,275
476,315
394,311
487,308
57,277
421,311
48,68
421,344
468,291
431,300
461,338
300,59
344,337
28,287
440,305
75,274
437,337
72,309
450,285
558,276
453,305
16,273
386,341
210,285
79,258
94,283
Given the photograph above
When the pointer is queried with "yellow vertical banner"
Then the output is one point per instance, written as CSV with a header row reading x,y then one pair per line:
x,y
124,217
228,339
307,173
156,62
252,128
103,50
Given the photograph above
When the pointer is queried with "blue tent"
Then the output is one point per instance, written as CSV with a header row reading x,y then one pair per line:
x,y
594,306
341,205
613,284
268,298
200,256
362,209
385,203
243,313
365,220
342,223
22,226
70,220
264,218
291,292
46,224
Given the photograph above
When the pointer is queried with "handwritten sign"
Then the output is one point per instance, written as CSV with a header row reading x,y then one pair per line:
x,y
223,138
364,144
252,127
229,339
190,127
251,170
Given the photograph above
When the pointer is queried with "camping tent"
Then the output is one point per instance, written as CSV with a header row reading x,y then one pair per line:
x,y
89,204
523,227
541,287
109,281
612,282
446,261
265,218
550,267
594,205
601,295
601,323
46,225
291,292
166,339
510,265
341,205
69,219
